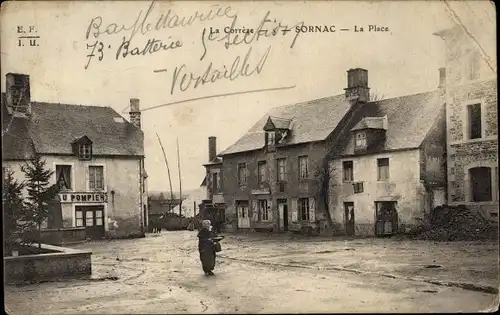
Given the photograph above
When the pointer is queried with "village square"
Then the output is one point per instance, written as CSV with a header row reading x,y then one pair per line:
x,y
344,203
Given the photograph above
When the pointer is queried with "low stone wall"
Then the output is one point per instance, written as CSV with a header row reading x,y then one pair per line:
x,y
63,236
64,263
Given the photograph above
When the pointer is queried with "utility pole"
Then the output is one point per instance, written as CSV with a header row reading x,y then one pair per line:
x,y
180,180
169,178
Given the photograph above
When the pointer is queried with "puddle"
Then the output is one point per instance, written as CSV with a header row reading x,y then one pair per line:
x,y
433,266
429,291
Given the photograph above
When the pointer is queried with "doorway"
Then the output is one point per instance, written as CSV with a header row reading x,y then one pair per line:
x,y
349,218
92,218
242,211
386,218
283,214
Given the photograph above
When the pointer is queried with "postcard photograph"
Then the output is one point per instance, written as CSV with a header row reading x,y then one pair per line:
x,y
189,157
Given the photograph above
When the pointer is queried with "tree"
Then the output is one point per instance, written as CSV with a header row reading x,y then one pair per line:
x,y
323,175
16,227
40,192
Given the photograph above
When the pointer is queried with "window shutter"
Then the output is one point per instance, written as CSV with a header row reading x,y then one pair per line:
x,y
312,209
255,212
270,209
294,210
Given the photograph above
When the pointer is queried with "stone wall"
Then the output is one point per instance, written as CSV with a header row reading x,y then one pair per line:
x,y
65,263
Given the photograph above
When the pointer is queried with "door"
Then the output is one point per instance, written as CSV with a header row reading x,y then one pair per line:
x,y
243,215
349,218
283,214
386,218
92,218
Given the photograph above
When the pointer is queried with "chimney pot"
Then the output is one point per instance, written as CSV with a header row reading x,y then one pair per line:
x,y
357,85
135,113
212,148
18,93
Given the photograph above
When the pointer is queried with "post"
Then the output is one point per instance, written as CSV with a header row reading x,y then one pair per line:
x,y
194,208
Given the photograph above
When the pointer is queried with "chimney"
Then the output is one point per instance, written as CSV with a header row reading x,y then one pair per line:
x,y
135,113
357,86
212,148
18,94
442,77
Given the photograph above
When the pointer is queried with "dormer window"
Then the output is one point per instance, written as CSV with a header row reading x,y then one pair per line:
x,y
82,147
360,140
271,138
84,151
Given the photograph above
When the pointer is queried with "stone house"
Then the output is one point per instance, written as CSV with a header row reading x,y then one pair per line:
x,y
269,176
472,124
96,155
389,167
269,179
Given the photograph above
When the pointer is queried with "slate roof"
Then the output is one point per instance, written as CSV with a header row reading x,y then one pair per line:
x,y
217,160
370,123
280,123
312,121
53,127
409,120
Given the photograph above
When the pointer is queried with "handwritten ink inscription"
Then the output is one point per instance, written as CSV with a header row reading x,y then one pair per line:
x,y
144,24
26,36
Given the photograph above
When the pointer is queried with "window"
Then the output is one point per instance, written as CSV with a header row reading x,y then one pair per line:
x,y
303,167
474,65
96,177
215,181
263,210
88,216
383,169
358,187
281,169
304,209
474,121
242,174
79,218
85,151
261,165
348,170
360,140
480,179
271,138
63,175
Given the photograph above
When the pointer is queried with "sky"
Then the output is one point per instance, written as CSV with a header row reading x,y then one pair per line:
x,y
282,69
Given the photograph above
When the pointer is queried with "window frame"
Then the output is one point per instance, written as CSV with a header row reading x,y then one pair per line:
x,y
242,166
271,138
360,135
344,169
261,172
278,169
379,167
464,115
304,209
263,210
101,167
70,166
215,181
84,155
469,109
303,174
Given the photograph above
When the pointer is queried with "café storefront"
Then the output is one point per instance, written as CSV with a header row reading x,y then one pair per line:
x,y
85,210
